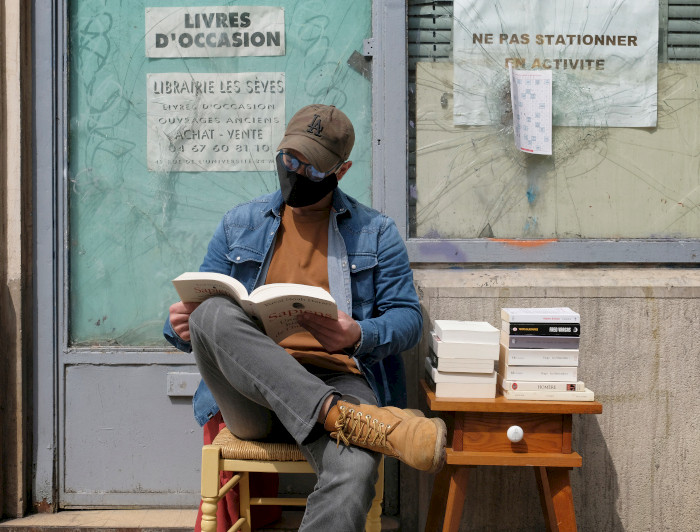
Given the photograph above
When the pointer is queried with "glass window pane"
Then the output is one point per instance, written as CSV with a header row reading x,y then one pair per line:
x,y
600,183
132,230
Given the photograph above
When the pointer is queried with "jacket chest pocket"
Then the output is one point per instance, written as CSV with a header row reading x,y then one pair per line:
x,y
362,267
245,265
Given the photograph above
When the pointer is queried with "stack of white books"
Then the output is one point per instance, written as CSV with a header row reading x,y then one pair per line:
x,y
539,355
461,359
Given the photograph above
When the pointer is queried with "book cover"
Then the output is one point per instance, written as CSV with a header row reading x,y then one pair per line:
x,y
488,351
465,365
540,342
458,390
274,306
538,373
542,329
466,331
522,395
548,386
539,357
540,315
459,377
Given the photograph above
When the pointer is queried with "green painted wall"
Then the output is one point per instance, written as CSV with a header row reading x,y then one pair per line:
x,y
131,230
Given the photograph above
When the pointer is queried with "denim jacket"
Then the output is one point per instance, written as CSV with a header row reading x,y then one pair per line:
x,y
368,274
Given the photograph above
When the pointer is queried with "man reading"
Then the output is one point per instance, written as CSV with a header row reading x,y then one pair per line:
x,y
341,381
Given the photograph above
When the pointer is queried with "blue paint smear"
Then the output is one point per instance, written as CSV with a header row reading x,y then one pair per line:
x,y
531,223
531,194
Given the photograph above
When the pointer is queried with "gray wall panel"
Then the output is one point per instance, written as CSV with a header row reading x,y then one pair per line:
x,y
125,435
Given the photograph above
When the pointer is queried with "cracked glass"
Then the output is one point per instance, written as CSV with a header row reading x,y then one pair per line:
x,y
470,182
131,229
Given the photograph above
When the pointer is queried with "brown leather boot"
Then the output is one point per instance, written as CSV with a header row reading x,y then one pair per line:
x,y
415,440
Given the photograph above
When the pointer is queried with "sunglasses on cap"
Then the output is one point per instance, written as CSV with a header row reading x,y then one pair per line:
x,y
292,164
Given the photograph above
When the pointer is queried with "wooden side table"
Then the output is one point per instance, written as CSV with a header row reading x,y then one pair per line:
x,y
477,436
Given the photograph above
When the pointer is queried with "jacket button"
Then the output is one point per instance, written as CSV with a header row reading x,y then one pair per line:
x,y
238,258
353,267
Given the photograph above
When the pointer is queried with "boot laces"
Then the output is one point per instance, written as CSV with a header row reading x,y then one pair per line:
x,y
360,429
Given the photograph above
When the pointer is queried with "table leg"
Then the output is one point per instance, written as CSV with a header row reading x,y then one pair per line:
x,y
455,498
438,499
556,498
436,510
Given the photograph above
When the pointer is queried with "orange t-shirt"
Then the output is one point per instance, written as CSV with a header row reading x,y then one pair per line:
x,y
301,256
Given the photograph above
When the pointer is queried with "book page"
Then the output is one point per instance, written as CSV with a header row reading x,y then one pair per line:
x,y
279,314
195,287
531,96
275,307
273,290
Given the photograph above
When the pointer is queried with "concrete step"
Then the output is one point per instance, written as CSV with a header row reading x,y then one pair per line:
x,y
151,520
143,520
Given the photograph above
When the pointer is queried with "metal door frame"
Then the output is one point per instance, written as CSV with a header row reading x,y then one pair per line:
x,y
50,354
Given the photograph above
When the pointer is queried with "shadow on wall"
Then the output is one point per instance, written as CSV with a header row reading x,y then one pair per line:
x,y
12,503
595,484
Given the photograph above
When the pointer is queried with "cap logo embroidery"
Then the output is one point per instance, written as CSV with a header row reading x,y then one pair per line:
x,y
315,126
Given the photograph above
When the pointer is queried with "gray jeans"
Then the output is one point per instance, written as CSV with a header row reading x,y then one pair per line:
x,y
263,392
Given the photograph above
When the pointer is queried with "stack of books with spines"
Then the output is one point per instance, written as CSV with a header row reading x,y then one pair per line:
x,y
539,355
461,359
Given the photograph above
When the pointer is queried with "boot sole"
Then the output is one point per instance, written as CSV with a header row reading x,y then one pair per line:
x,y
440,453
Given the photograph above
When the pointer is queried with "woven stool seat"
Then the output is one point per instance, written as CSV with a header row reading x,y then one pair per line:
x,y
235,449
242,457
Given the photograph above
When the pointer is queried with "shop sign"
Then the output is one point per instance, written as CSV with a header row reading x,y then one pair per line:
x,y
220,31
214,122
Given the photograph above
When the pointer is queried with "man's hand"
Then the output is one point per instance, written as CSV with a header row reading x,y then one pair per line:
x,y
180,318
333,335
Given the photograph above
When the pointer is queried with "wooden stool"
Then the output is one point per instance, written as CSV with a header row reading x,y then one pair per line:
x,y
228,453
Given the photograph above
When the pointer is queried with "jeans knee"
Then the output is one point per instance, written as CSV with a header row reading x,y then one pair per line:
x,y
214,317
204,322
202,316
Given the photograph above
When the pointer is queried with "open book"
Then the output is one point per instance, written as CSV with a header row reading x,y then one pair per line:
x,y
274,306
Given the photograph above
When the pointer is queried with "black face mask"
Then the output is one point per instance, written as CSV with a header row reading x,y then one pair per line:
x,y
300,191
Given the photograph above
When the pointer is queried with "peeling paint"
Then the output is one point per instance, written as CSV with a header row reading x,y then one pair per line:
x,y
43,507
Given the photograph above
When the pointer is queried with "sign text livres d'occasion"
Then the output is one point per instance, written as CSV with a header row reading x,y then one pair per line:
x,y
219,31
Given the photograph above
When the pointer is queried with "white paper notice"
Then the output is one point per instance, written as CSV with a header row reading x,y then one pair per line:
x,y
603,56
214,31
214,122
531,97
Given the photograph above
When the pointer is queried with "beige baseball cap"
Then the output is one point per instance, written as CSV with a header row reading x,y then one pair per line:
x,y
322,133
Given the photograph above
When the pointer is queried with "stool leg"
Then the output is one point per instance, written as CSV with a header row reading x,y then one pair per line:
x,y
244,501
374,517
209,507
210,487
